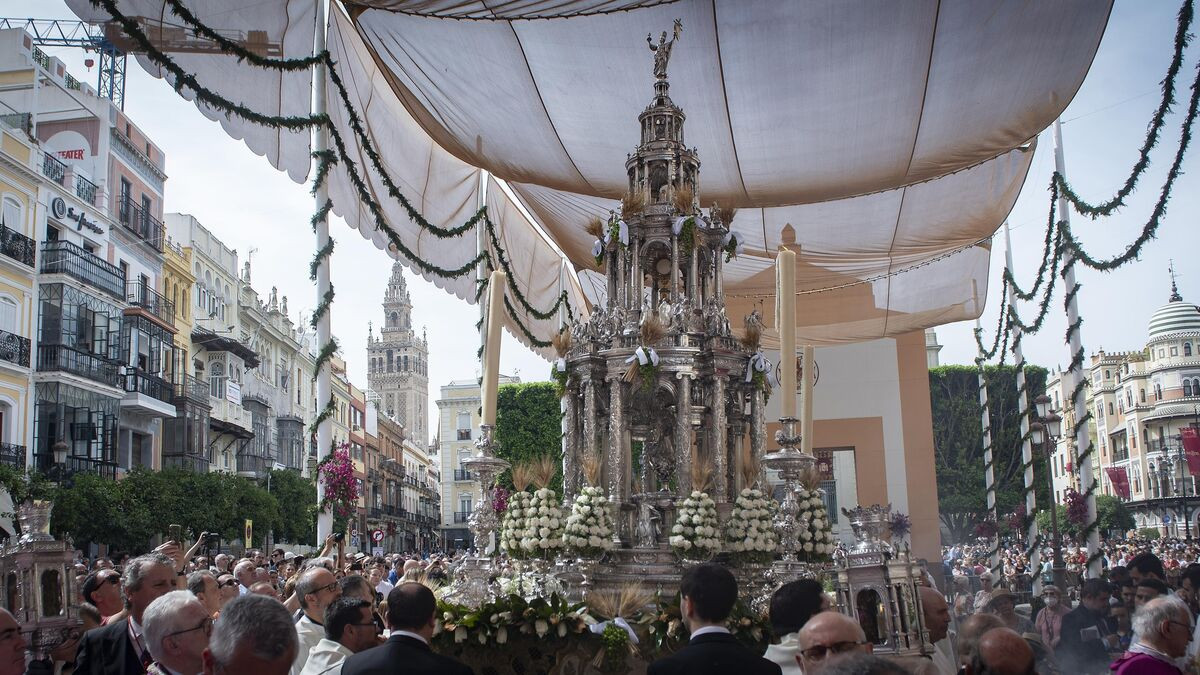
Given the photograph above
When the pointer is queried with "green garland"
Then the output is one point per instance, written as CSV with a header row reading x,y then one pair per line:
x,y
687,236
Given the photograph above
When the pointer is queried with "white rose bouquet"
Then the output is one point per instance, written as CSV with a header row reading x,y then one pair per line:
x,y
589,530
512,525
544,519
815,542
696,533
749,534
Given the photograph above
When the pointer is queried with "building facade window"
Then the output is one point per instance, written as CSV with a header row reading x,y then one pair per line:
x,y
1187,349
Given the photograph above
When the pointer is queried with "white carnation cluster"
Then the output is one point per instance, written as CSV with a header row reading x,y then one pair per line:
x,y
696,532
512,526
750,534
816,540
543,525
589,529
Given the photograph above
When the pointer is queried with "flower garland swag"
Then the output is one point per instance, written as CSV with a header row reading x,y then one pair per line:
x,y
512,524
336,473
550,621
544,522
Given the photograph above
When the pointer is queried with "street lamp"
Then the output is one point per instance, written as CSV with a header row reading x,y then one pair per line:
x,y
1045,431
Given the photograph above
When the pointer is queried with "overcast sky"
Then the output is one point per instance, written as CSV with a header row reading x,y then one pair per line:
x,y
249,205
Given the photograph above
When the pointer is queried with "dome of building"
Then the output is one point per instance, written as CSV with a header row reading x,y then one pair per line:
x,y
1174,317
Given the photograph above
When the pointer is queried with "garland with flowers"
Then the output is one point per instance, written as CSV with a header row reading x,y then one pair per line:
x,y
589,531
696,532
336,473
750,533
816,539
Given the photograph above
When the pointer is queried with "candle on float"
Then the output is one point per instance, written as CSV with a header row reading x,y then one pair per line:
x,y
491,352
806,401
785,317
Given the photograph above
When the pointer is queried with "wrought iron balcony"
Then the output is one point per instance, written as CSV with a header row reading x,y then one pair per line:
x,y
53,169
150,385
463,474
83,364
140,294
464,434
18,122
193,463
255,464
45,463
85,189
63,257
461,517
12,455
14,348
16,245
192,388
142,223
375,512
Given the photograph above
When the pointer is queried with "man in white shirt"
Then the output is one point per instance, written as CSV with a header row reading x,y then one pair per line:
x,y
316,590
349,629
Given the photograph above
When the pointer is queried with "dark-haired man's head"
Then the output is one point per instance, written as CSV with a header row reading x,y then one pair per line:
x,y
1189,586
1128,594
348,621
1146,565
1147,590
794,603
1094,594
708,592
102,588
411,608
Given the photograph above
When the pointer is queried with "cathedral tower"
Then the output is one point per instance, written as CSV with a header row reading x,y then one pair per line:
x,y
397,363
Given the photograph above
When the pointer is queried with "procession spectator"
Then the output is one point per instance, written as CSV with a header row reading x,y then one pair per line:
x,y
176,629
229,587
1162,629
265,588
1145,565
102,588
827,637
1000,651
316,589
412,618
1049,620
984,596
1148,589
1003,606
254,636
937,620
971,630
244,573
792,605
119,646
203,585
12,645
221,562
349,629
1086,636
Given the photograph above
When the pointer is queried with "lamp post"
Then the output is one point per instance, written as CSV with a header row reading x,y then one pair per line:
x,y
1046,432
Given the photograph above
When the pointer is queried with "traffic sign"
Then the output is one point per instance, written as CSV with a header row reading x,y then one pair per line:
x,y
1166,519
377,535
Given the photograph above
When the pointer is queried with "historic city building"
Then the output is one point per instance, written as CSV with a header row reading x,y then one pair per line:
x,y
397,362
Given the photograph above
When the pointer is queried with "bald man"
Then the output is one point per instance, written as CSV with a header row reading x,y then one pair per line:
x,y
937,621
827,637
971,630
1001,651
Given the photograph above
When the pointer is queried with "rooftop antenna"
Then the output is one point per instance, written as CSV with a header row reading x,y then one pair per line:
x,y
1175,297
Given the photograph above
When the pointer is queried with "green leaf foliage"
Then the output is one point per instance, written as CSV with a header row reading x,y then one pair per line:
x,y
528,425
958,444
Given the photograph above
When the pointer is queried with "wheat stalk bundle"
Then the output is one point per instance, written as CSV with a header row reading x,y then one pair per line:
x,y
631,205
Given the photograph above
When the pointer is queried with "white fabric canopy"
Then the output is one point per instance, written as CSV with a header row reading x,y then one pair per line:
x,y
891,137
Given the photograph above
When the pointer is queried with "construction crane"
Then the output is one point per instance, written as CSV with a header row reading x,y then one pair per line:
x,y
110,82
113,45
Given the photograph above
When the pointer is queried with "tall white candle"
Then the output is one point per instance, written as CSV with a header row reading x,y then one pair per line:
x,y
806,400
785,292
491,352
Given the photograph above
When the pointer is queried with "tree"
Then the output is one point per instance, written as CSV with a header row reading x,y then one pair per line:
x,y
528,425
1114,517
297,498
958,443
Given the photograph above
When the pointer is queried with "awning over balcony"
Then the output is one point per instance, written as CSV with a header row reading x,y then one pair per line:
x,y
1173,410
215,342
223,427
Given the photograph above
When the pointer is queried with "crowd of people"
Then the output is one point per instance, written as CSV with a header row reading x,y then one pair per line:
x,y
181,612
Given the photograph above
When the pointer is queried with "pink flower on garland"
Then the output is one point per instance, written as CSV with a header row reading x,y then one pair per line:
x,y
1077,510
337,477
500,500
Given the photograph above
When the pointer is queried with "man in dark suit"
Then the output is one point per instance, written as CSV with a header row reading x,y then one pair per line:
x,y
411,616
1087,636
120,648
708,593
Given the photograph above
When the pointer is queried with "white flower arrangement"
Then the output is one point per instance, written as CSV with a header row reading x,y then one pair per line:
x,y
696,533
588,529
816,540
528,584
512,526
542,534
750,533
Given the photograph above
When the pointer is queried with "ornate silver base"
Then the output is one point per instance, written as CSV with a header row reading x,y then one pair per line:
x,y
656,568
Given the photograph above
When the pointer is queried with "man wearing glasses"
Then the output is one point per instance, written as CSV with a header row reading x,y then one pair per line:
x,y
176,628
102,588
826,638
316,590
1162,629
349,629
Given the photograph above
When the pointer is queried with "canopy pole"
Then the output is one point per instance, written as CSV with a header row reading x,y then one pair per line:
x,y
1075,340
324,330
1033,550
989,473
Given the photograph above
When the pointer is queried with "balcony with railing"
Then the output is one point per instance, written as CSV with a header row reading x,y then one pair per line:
x,y
84,364
461,517
85,189
464,434
17,246
192,463
14,348
463,474
191,388
45,463
254,464
142,223
150,385
53,169
63,257
12,455
141,294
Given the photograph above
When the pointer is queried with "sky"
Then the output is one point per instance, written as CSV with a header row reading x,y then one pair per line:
x,y
252,207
